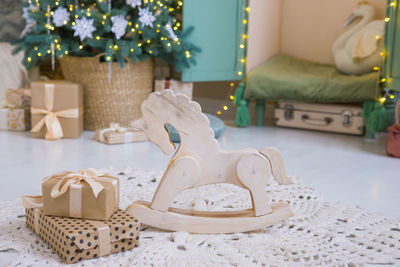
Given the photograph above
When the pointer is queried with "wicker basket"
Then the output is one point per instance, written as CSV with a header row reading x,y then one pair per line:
x,y
116,100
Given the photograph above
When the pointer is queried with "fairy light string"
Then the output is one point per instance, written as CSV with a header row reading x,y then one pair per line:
x,y
240,65
138,46
384,81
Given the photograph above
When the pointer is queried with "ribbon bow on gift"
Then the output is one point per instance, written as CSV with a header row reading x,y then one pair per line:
x,y
54,129
114,127
69,178
117,128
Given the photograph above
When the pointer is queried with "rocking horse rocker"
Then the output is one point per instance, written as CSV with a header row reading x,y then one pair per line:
x,y
199,161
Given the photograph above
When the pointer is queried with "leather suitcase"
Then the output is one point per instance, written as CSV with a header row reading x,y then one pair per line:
x,y
321,117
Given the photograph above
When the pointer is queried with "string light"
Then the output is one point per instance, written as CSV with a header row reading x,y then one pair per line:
x,y
387,19
241,57
29,59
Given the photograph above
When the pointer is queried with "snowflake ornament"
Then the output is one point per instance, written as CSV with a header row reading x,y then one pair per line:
x,y
83,28
146,17
25,13
134,3
171,32
60,16
119,24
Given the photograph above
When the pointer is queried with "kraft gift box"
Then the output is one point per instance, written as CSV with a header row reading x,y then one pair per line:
x,y
18,98
62,101
87,194
78,239
15,119
119,135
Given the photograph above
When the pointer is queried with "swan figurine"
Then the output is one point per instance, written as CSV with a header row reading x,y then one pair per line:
x,y
357,51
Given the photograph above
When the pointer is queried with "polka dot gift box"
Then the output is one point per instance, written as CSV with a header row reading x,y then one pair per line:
x,y
77,239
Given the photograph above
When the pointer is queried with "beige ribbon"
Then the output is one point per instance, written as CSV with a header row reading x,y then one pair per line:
x,y
104,237
73,181
35,203
54,129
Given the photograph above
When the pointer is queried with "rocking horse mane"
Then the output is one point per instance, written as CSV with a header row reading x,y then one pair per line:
x,y
165,103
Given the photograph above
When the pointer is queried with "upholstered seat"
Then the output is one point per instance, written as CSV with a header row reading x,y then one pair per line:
x,y
288,78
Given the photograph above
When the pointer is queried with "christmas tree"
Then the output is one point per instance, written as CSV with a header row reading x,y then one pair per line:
x,y
134,29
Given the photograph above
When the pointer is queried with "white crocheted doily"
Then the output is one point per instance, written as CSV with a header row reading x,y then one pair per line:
x,y
320,233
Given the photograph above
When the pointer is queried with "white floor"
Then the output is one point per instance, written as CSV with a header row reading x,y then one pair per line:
x,y
343,168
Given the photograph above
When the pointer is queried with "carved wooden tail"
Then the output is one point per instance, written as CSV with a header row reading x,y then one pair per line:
x,y
276,160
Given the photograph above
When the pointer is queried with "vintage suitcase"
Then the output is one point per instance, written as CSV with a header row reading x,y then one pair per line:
x,y
321,117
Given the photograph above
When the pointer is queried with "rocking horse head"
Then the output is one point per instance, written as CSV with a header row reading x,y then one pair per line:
x,y
178,110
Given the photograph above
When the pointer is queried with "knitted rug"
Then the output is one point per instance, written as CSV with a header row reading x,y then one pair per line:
x,y
320,233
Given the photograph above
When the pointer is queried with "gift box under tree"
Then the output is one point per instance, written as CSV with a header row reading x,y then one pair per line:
x,y
16,115
57,109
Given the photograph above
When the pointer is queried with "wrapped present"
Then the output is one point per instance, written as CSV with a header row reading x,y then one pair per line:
x,y
87,194
78,239
18,98
15,119
57,109
175,85
119,135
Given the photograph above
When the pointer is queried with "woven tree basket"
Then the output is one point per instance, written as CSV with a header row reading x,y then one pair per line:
x,y
116,100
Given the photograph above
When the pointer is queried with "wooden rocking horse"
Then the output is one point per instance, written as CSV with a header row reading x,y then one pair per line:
x,y
199,161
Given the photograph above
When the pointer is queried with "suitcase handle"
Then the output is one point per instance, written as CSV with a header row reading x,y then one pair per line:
x,y
319,122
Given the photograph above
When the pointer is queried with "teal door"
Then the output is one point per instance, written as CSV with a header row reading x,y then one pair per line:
x,y
392,46
219,30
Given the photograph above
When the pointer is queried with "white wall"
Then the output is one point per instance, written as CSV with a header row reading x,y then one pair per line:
x,y
264,31
300,28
